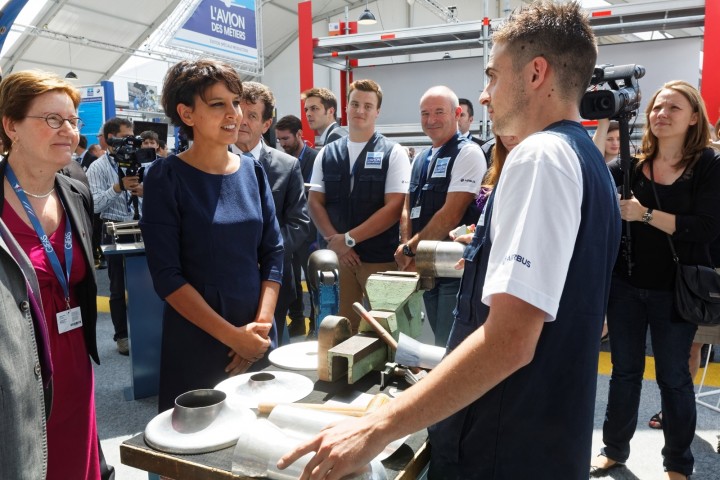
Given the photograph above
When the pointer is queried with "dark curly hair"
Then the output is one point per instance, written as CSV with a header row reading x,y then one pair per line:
x,y
187,79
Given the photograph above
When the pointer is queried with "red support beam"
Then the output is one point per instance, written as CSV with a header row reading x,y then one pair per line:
x,y
305,56
710,86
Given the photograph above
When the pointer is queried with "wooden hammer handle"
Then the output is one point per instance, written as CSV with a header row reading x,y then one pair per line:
x,y
377,401
384,334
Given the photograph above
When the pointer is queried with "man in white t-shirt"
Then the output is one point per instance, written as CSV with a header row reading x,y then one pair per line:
x,y
444,182
515,396
359,185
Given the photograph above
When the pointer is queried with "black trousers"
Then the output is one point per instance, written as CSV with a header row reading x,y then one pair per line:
x,y
116,274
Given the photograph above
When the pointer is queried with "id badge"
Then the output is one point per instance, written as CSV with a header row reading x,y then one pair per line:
x,y
415,212
69,320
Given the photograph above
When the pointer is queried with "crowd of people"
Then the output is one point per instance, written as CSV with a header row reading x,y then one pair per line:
x,y
228,225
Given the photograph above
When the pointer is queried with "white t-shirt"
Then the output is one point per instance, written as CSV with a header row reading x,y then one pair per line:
x,y
398,175
535,221
468,170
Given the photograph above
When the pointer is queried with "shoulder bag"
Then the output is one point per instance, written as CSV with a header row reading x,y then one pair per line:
x,y
697,287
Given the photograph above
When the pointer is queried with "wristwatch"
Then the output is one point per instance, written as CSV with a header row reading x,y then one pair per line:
x,y
349,241
407,252
647,216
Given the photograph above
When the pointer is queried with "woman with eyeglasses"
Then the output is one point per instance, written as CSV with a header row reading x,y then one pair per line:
x,y
50,217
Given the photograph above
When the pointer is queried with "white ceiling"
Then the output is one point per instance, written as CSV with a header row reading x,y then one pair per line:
x,y
95,38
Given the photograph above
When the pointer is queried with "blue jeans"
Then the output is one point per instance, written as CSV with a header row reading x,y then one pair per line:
x,y
440,304
630,312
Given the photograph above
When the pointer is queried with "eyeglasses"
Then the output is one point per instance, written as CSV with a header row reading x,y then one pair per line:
x,y
56,121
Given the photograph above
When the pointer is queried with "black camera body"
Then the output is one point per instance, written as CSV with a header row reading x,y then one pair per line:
x,y
623,97
130,155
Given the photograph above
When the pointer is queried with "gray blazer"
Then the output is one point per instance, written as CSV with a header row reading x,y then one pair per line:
x,y
23,438
288,191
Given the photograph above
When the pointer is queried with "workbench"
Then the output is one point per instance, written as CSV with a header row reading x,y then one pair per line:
x,y
406,463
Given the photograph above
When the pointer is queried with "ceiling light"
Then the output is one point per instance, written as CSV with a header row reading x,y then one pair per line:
x,y
367,18
71,74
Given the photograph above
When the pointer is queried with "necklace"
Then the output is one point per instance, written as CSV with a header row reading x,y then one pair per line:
x,y
44,195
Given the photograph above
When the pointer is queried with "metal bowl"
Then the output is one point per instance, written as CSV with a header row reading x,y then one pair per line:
x,y
196,409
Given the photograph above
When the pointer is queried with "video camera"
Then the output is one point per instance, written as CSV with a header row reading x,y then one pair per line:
x,y
130,155
623,96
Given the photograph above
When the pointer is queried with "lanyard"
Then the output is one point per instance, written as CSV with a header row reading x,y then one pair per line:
x,y
302,152
63,278
423,174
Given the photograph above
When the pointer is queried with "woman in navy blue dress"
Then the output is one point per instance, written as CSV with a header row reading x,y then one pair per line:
x,y
211,238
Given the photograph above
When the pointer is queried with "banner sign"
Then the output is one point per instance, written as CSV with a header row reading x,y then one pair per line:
x,y
8,14
91,110
226,28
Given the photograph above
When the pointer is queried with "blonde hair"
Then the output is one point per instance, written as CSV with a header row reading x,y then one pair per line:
x,y
697,137
19,89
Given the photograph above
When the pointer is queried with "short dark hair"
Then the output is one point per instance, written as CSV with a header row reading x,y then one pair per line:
x,y
468,104
254,92
82,143
113,126
290,123
614,125
150,135
188,78
367,85
327,98
558,32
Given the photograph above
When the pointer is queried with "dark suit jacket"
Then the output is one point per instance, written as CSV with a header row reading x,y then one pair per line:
x,y
335,132
307,160
286,183
78,205
288,191
87,159
25,403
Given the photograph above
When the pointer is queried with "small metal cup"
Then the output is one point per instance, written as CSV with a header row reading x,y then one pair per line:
x,y
196,409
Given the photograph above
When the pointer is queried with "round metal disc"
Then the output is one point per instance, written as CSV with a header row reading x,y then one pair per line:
x,y
223,432
296,356
249,389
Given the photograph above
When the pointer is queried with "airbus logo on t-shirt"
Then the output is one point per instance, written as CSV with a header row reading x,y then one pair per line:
x,y
468,180
518,258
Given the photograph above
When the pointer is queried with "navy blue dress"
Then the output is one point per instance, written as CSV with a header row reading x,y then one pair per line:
x,y
219,234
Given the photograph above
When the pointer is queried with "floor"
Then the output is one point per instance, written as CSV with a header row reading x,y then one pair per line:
x,y
119,420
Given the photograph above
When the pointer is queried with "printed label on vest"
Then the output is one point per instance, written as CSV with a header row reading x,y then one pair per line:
x,y
374,160
441,166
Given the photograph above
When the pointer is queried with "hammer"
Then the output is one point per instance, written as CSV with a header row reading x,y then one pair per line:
x,y
377,401
384,334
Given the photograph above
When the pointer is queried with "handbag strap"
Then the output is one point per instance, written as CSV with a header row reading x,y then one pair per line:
x,y
657,201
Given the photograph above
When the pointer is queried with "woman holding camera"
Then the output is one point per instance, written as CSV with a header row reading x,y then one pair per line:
x,y
49,215
211,237
675,185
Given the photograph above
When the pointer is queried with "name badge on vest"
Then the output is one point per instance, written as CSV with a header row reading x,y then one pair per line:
x,y
441,166
69,320
415,212
374,160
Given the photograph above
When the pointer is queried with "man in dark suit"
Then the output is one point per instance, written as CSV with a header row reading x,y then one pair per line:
x,y
286,182
466,119
288,131
320,108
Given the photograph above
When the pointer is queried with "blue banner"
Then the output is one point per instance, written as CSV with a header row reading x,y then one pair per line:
x,y
227,28
8,14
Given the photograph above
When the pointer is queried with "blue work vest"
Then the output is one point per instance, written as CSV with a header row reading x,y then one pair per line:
x,y
349,207
429,193
538,422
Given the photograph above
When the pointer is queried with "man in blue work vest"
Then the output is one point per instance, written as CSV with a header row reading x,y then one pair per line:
x,y
444,182
515,397
359,185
